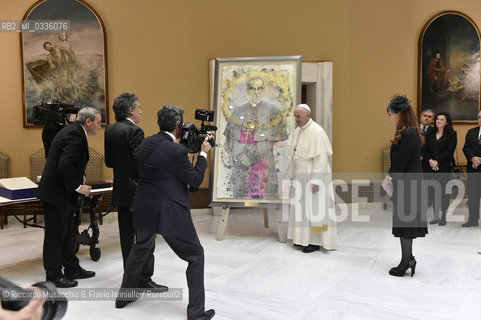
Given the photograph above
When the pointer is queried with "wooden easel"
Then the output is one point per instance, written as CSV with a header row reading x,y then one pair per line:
x,y
280,227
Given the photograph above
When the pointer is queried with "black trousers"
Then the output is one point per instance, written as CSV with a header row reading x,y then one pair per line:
x,y
441,200
127,232
187,248
59,241
474,195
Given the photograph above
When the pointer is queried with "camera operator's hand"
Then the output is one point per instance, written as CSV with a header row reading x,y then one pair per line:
x,y
32,311
244,159
72,118
85,190
206,146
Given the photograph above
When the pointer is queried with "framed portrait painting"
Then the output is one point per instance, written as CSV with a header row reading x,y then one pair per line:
x,y
449,66
64,65
254,100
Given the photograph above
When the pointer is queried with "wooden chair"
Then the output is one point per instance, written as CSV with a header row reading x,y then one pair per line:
x,y
3,166
17,209
93,171
37,162
94,167
3,174
386,159
386,165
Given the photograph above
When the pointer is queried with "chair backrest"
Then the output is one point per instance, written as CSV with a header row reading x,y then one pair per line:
x,y
3,166
386,159
94,166
93,170
37,163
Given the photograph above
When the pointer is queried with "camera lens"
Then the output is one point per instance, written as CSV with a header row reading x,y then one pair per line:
x,y
15,298
54,308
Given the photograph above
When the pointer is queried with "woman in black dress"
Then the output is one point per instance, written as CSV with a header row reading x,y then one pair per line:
x,y
404,182
437,154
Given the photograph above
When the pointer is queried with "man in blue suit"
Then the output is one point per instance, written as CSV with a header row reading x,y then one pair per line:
x,y
161,206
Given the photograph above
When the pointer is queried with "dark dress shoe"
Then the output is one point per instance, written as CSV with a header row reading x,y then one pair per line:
x,y
80,274
152,286
434,221
63,282
442,222
119,304
470,224
125,297
209,314
311,248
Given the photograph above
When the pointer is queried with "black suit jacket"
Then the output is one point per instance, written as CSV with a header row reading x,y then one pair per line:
x,y
65,167
162,200
122,143
472,148
441,150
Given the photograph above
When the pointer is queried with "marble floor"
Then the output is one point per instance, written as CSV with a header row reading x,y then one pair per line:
x,y
250,275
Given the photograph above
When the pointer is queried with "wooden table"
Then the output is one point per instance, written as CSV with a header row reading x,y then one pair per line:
x,y
28,209
82,238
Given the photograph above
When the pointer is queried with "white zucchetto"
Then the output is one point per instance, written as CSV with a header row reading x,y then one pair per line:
x,y
305,107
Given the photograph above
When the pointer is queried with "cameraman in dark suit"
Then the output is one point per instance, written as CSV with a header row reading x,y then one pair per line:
x,y
122,143
472,151
62,181
161,206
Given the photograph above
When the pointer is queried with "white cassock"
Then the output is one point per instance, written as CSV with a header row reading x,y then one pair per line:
x,y
311,215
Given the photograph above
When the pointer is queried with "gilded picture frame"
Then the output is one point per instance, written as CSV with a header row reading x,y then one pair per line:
x,y
64,67
449,48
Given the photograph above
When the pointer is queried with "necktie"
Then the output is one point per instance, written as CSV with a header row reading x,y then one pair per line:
x,y
424,130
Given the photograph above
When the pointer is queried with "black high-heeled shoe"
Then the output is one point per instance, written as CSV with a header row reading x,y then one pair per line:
x,y
399,271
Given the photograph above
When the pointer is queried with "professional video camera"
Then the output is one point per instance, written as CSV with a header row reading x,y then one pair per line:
x,y
192,137
15,298
53,113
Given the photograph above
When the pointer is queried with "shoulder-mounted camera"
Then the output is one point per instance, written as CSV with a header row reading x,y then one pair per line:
x,y
53,113
192,137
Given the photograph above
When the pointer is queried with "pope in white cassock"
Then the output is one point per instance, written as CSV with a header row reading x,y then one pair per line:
x,y
311,216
